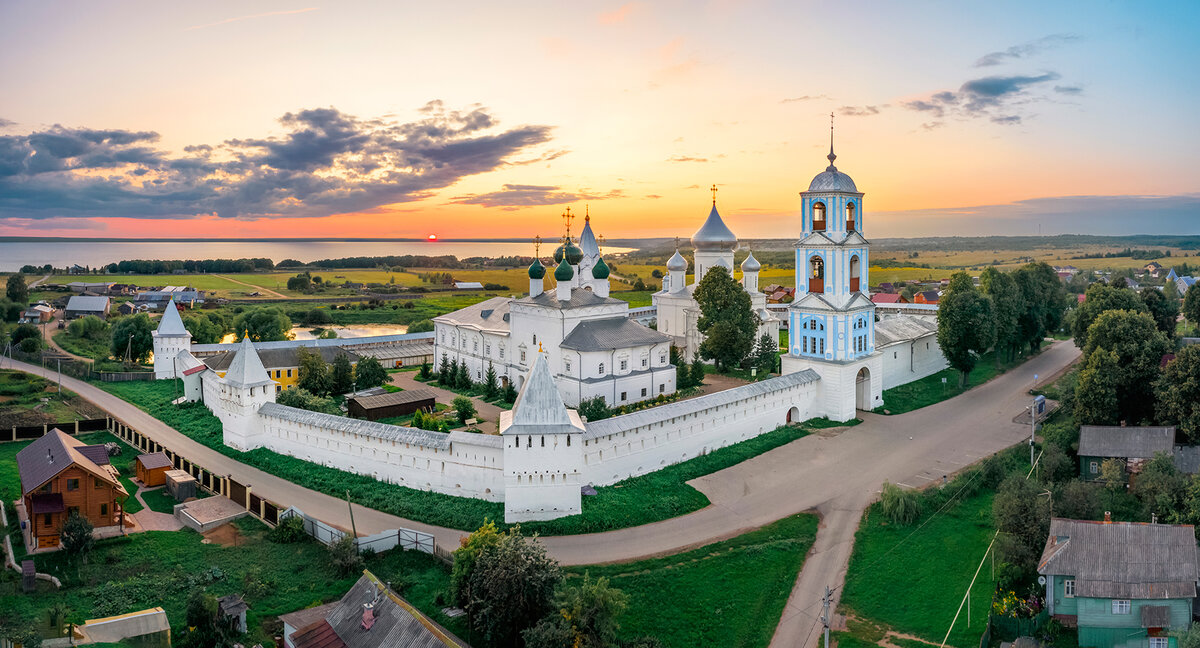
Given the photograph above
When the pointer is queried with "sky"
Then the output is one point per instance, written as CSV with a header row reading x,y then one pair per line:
x,y
488,119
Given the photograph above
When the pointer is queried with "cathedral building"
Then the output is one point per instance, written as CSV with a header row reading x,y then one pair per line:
x,y
591,346
831,322
677,311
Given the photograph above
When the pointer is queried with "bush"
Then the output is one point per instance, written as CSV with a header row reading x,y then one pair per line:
x,y
289,531
594,409
343,555
423,326
464,407
900,506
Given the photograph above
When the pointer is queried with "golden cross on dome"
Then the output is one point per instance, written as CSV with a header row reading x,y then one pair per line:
x,y
587,217
676,243
567,218
714,193
601,244
537,245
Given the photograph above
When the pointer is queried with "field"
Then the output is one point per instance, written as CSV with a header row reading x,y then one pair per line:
x,y
21,402
728,593
639,500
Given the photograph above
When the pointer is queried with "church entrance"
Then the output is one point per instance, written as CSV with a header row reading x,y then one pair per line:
x,y
862,398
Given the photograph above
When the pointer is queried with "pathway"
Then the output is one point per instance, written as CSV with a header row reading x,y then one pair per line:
x,y
836,475
48,331
485,411
41,281
150,520
250,285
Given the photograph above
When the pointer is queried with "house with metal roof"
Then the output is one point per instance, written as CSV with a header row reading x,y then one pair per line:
x,y
81,306
61,475
909,347
282,363
1122,584
1133,445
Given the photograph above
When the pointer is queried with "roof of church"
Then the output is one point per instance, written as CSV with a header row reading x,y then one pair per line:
x,y
714,235
751,264
600,270
539,404
246,368
902,328
564,271
536,269
613,333
171,323
490,314
580,298
677,262
831,179
587,239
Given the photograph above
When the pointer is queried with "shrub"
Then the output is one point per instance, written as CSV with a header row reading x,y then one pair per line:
x,y
900,506
288,531
464,407
343,555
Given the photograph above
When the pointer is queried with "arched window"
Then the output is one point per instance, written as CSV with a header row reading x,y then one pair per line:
x,y
816,275
850,220
854,270
818,213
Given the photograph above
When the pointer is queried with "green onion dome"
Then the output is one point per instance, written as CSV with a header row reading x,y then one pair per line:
x,y
600,270
570,252
564,271
536,269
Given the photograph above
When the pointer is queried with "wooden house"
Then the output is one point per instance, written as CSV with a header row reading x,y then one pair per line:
x,y
1122,584
1133,446
61,475
152,468
390,404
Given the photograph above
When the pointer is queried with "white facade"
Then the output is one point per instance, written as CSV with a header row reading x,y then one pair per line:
x,y
909,348
170,337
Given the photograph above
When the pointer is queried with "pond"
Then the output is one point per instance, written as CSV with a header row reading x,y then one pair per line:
x,y
356,331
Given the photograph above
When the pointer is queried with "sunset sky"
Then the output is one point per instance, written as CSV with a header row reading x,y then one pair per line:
x,y
303,119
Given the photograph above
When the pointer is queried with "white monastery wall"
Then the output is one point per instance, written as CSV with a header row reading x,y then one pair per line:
x,y
907,361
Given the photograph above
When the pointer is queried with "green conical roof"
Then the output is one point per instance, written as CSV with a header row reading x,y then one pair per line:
x,y
600,270
564,271
536,269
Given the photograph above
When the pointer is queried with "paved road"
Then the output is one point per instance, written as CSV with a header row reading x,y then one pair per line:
x,y
835,474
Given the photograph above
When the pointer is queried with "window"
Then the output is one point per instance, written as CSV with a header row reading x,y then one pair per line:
x,y
850,225
522,357
623,395
662,387
487,349
895,354
567,364
72,484
278,388
501,353
104,509
601,371
1120,606
662,358
624,365
289,373
645,361
1069,588
818,213
47,520
475,346
1094,467
535,338
97,482
1159,642
643,392
47,487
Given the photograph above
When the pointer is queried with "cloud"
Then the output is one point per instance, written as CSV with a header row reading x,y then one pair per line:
x,y
5,123
1025,50
260,15
982,97
686,158
860,111
326,162
618,15
653,196
513,196
1068,90
804,98
1007,120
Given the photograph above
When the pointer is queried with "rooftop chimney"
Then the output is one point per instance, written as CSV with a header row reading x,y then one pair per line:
x,y
1108,517
368,617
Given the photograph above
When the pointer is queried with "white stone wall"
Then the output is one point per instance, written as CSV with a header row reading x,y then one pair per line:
x,y
904,362
838,392
237,408
642,442
166,348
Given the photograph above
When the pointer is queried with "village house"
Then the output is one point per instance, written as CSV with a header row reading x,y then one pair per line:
x,y
1122,584
888,298
1153,268
282,364
378,406
37,314
152,468
61,475
926,297
1133,446
82,306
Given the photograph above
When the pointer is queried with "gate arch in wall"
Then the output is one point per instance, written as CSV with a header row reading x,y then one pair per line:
x,y
793,415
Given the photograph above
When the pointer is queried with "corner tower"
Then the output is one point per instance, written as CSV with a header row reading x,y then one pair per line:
x,y
831,322
169,339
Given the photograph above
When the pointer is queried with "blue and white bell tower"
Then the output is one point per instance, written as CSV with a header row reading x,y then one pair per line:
x,y
831,322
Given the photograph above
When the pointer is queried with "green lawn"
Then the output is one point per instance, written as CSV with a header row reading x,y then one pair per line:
x,y
161,501
915,584
931,389
639,500
635,298
728,593
80,346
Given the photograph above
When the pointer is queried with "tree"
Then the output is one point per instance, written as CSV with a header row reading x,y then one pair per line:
x,y
1112,475
424,373
463,379
588,612
10,311
594,409
135,333
200,629
16,290
511,584
464,408
766,354
1164,311
1191,305
264,324
697,371
344,556
443,370
301,282
1055,466
203,329
465,557
1043,300
314,372
1022,516
341,375
423,326
726,318
1077,501
318,317
1096,395
1002,289
1138,348
1100,298
491,384
966,326
369,373
900,506
76,536
1162,489
301,398
89,327
1178,391
510,392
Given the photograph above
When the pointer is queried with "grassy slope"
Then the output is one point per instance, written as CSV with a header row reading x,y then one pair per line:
x,y
632,502
728,593
96,349
930,390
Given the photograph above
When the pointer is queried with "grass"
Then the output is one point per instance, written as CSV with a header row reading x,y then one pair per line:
x,y
21,401
88,348
632,502
729,593
635,298
930,389
160,501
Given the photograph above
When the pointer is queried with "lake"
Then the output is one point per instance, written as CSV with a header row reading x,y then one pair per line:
x,y
60,254
357,331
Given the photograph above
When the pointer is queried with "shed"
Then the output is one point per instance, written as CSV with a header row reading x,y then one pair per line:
x,y
234,608
80,306
393,404
152,468
180,485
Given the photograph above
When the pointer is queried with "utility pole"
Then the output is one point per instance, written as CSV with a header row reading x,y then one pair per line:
x,y
353,529
1032,428
825,613
60,376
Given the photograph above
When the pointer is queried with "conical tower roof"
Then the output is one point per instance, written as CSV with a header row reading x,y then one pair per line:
x,y
246,369
587,240
539,403
171,323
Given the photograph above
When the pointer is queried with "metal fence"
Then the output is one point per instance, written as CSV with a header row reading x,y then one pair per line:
x,y
404,538
1008,628
124,376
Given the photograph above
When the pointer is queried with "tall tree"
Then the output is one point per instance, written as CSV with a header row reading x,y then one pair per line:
x,y
1100,298
465,557
341,375
1178,391
491,384
511,586
265,324
77,538
369,373
203,329
135,334
1044,302
1191,305
314,372
1022,516
966,326
1164,311
726,318
1006,307
1162,489
585,615
16,290
1096,394
1135,349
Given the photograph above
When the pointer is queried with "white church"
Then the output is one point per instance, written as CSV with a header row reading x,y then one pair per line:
x,y
576,342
